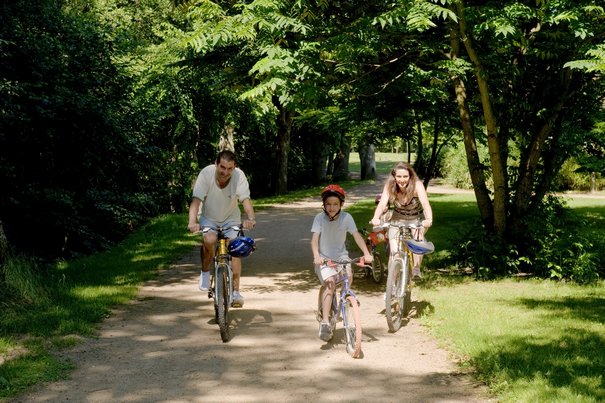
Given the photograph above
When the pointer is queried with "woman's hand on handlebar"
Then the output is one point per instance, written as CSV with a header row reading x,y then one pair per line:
x,y
375,221
368,258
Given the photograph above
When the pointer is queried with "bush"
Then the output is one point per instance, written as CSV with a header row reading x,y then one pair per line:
x,y
572,177
553,247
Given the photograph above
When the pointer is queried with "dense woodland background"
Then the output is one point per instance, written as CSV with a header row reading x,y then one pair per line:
x,y
109,108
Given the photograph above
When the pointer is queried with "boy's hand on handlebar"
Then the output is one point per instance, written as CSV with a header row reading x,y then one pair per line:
x,y
318,260
368,258
427,223
375,221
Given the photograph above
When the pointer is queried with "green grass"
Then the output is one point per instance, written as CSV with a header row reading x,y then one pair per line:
x,y
528,340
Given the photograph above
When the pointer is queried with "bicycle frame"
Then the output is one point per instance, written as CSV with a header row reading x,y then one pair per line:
x,y
344,299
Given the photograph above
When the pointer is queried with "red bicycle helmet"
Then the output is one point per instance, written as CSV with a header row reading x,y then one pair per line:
x,y
333,190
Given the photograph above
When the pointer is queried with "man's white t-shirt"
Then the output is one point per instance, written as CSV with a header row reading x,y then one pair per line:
x,y
333,234
221,205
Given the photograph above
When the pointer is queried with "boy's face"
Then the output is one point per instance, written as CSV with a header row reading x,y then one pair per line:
x,y
332,206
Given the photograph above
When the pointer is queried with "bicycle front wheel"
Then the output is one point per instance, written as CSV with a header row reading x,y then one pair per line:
x,y
351,321
394,300
221,296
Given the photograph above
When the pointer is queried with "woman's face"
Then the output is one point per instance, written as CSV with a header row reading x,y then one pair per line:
x,y
402,177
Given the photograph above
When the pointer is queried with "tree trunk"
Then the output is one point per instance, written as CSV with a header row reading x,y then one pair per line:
x,y
283,148
419,162
226,138
4,249
341,163
367,161
497,164
528,164
475,168
430,170
593,182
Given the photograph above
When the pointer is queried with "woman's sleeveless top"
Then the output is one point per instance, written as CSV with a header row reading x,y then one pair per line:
x,y
405,212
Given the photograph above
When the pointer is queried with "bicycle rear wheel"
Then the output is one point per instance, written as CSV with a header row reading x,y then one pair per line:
x,y
351,322
222,301
394,300
377,268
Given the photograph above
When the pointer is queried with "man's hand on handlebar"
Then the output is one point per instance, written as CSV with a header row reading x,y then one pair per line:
x,y
194,227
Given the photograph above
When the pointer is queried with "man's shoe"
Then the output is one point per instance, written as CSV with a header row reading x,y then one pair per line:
x,y
325,332
204,284
416,275
238,300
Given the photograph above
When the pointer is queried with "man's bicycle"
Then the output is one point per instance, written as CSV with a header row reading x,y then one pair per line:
x,y
221,288
345,305
398,296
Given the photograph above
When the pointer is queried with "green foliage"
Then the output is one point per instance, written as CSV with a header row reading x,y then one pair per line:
x,y
555,245
573,177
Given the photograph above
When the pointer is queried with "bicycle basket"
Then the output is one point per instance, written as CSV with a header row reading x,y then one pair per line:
x,y
378,237
420,247
242,246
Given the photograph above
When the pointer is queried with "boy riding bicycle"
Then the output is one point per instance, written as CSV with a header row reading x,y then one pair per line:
x,y
328,241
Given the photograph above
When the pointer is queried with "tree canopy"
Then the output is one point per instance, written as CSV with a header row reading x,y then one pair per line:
x,y
109,109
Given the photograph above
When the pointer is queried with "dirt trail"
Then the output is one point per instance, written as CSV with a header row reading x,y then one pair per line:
x,y
164,347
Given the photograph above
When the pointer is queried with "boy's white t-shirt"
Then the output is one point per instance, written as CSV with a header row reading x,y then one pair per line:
x,y
221,205
333,234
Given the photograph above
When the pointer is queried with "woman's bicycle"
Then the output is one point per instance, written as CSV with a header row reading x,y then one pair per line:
x,y
221,288
345,305
398,296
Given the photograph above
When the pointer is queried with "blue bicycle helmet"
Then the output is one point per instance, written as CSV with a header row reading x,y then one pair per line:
x,y
420,247
242,246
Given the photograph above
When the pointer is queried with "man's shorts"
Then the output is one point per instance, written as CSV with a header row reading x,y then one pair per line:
x,y
205,222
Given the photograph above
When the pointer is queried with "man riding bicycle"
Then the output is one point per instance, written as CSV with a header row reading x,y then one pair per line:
x,y
216,193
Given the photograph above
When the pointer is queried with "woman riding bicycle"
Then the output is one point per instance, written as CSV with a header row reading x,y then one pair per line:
x,y
328,242
406,196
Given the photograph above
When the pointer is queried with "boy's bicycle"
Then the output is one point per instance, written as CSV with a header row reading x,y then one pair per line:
x,y
376,241
345,305
398,296
221,288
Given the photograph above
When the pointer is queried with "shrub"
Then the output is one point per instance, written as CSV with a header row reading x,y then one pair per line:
x,y
553,247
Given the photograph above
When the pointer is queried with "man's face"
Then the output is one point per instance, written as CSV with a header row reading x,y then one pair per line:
x,y
224,170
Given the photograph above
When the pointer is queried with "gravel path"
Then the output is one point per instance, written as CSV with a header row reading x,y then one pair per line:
x,y
164,347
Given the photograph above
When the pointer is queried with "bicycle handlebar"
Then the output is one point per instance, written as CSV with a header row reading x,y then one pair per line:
x,y
358,261
398,225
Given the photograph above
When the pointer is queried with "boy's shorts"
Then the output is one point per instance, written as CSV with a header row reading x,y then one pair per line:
x,y
324,272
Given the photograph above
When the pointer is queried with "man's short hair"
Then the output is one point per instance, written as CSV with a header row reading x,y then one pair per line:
x,y
226,155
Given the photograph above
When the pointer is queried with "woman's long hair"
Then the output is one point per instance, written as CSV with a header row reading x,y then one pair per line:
x,y
410,188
